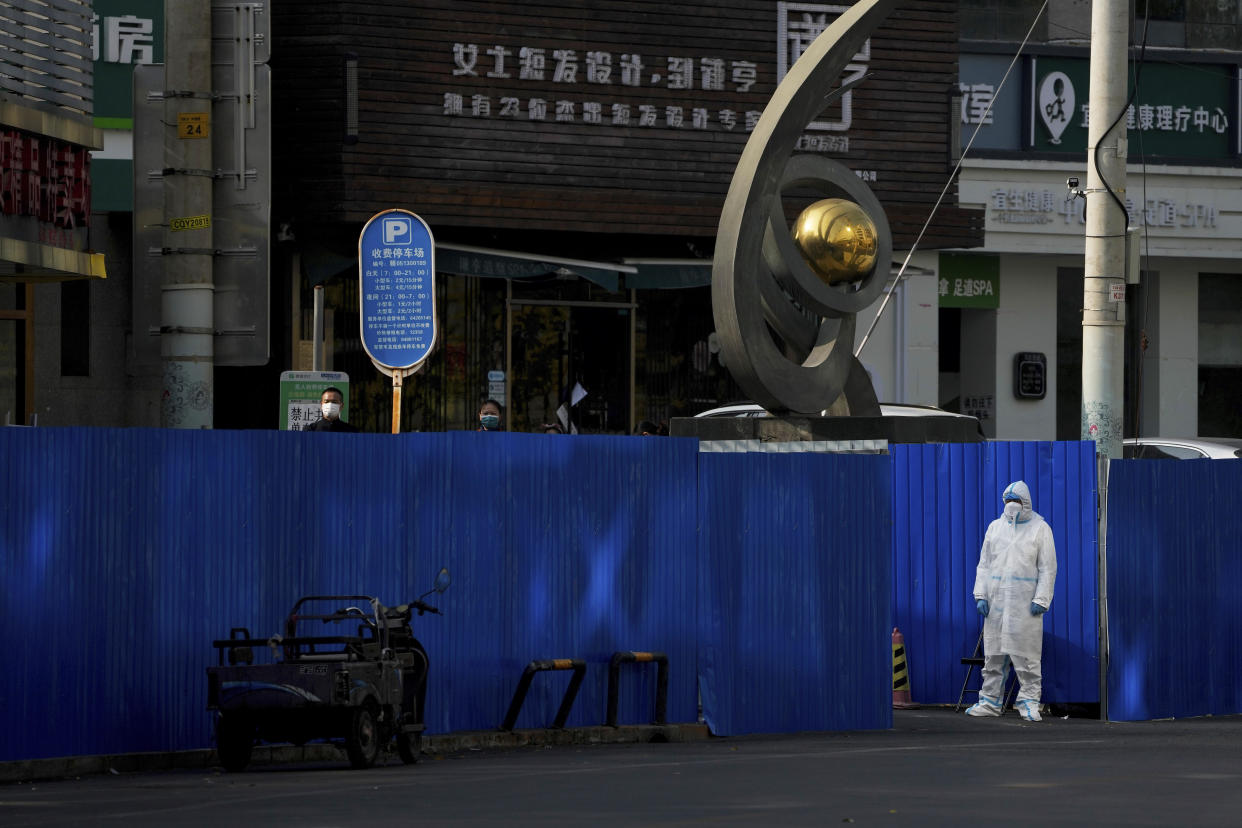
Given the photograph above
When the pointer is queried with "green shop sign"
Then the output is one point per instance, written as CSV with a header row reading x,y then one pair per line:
x,y
1183,111
124,33
969,281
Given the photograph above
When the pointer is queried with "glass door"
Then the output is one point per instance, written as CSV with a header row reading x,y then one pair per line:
x,y
570,346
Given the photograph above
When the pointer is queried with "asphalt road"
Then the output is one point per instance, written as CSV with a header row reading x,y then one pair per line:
x,y
933,768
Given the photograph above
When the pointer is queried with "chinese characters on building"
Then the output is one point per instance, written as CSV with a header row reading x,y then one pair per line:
x,y
977,101
124,39
798,24
964,288
707,77
46,179
1170,118
979,406
1016,206
601,70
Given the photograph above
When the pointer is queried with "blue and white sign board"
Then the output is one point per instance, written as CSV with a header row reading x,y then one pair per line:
x,y
396,271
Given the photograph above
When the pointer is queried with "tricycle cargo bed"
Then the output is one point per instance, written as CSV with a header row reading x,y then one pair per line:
x,y
266,686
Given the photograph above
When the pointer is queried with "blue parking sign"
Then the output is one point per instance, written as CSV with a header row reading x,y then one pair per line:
x,y
396,273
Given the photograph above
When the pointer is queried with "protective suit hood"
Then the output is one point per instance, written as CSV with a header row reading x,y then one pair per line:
x,y
1020,489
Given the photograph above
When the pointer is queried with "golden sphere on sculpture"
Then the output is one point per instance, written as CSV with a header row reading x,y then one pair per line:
x,y
837,240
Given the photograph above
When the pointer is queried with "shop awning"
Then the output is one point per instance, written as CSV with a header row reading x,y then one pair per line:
x,y
320,264
659,274
465,260
23,261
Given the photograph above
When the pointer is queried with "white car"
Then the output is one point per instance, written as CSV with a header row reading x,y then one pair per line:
x,y
749,409
1176,448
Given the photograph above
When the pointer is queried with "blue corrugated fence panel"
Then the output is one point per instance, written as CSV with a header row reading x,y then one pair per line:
x,y
1174,589
126,552
600,559
944,496
794,587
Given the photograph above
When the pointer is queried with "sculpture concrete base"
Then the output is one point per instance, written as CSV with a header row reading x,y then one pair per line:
x,y
795,428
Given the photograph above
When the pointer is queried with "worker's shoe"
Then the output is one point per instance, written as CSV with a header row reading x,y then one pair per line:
x,y
984,707
1029,710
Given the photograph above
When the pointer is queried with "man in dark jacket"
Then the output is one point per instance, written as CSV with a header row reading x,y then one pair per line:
x,y
330,408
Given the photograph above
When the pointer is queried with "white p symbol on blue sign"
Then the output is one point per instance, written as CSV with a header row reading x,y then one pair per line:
x,y
398,231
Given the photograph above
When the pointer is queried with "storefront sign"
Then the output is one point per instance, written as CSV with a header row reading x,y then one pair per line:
x,y
990,114
591,72
1180,111
1022,206
44,190
539,116
969,281
124,34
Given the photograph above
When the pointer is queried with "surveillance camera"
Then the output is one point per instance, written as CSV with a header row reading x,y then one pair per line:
x,y
1072,183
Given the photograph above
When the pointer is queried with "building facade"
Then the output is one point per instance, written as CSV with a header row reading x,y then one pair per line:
x,y
1010,313
46,231
571,160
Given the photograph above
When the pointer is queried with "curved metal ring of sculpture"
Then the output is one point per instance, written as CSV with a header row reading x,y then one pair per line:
x,y
785,302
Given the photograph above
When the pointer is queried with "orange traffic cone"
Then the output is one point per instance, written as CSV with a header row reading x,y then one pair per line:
x,y
901,680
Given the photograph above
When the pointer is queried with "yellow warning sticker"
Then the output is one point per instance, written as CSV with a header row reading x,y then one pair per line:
x,y
189,223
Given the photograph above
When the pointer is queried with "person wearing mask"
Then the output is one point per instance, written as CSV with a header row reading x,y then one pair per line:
x,y
489,416
1013,589
330,409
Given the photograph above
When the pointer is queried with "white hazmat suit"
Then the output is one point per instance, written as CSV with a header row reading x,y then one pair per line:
x,y
1016,573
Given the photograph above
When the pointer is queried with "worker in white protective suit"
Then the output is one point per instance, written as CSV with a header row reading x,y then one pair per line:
x,y
1013,589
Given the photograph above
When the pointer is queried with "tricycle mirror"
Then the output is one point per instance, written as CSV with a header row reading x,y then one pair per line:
x,y
442,580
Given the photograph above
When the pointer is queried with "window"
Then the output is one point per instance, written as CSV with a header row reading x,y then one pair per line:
x,y
75,328
16,355
1159,10
1220,355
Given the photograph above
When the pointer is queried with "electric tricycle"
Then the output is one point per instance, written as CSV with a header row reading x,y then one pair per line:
x,y
364,684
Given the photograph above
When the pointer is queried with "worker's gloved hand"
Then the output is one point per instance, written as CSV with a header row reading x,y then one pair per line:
x,y
1036,609
982,606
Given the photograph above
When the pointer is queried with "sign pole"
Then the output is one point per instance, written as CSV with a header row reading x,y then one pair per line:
x,y
397,376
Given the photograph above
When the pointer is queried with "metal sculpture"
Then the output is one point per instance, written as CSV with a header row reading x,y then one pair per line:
x,y
785,302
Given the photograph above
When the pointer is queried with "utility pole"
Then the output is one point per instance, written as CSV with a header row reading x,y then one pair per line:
x,y
1104,307
187,323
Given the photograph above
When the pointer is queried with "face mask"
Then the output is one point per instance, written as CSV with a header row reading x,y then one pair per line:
x,y
1012,509
331,410
490,421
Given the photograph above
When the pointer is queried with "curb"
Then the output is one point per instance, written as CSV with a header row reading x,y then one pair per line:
x,y
73,766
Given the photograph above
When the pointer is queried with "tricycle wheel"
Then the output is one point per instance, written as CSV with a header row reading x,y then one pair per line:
x,y
234,741
409,746
362,743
